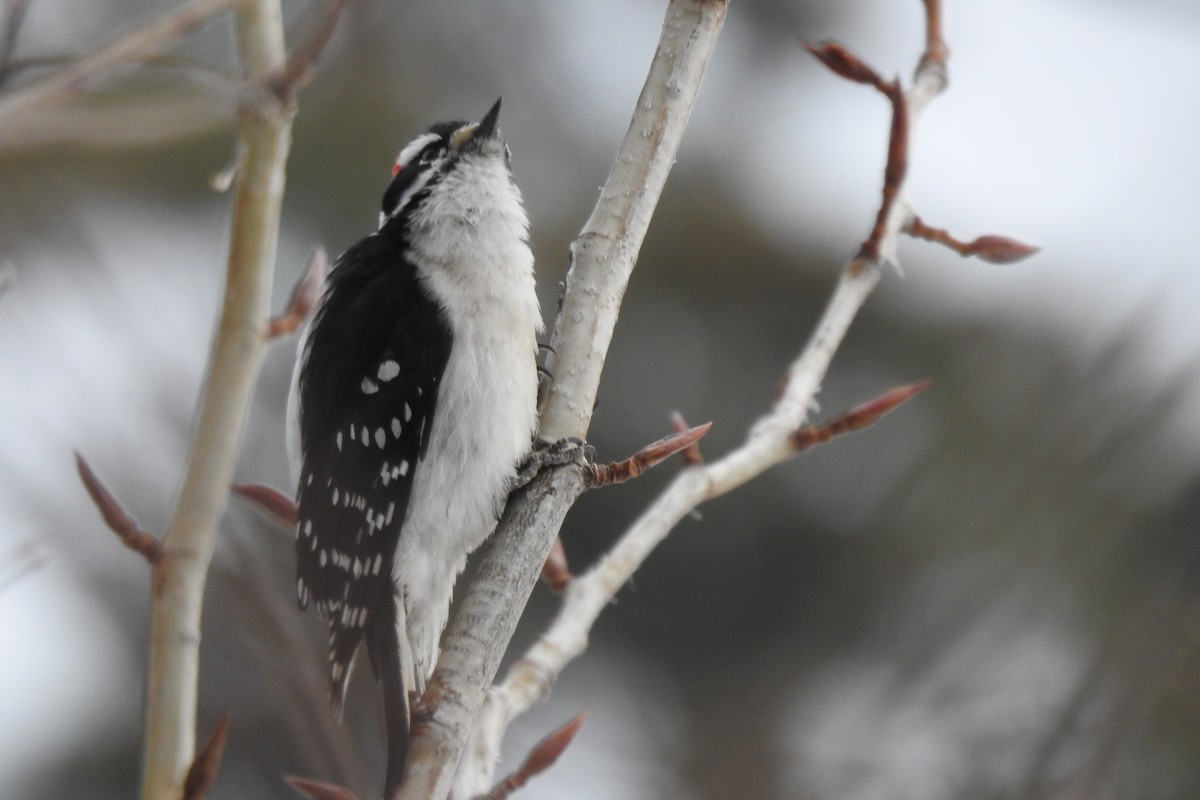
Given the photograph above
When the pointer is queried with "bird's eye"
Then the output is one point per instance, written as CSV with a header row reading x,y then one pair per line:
x,y
429,156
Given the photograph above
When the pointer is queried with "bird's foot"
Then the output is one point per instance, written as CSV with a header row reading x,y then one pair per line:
x,y
552,454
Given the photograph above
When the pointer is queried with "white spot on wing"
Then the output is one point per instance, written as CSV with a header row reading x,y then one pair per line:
x,y
365,436
388,370
407,412
369,386
403,467
380,437
339,446
396,427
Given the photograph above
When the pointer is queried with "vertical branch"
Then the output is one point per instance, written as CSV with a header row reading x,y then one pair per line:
x,y
265,134
603,257
604,253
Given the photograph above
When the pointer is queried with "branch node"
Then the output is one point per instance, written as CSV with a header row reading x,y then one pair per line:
x,y
297,71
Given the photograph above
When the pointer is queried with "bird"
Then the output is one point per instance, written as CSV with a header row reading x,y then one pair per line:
x,y
413,402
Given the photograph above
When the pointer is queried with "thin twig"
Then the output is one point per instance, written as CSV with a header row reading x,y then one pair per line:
x,y
277,505
540,758
297,71
305,294
651,455
858,418
133,47
993,249
115,517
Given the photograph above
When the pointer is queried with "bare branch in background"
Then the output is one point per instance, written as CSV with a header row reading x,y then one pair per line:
x,y
133,47
115,517
775,438
297,71
277,505
304,296
265,136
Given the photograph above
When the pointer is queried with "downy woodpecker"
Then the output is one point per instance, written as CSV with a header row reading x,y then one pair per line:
x,y
414,399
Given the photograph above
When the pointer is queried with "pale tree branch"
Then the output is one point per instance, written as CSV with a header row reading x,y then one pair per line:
x,y
179,575
602,260
138,45
776,437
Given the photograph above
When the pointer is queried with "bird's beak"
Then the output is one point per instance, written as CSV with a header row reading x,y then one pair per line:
x,y
487,125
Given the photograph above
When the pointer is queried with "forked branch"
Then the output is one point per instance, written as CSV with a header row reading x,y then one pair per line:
x,y
776,437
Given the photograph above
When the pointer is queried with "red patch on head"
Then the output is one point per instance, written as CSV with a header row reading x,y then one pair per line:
x,y
396,168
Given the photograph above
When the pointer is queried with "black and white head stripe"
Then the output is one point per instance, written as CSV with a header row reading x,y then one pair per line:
x,y
418,164
425,159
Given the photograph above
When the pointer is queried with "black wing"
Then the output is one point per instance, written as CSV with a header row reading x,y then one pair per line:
x,y
368,388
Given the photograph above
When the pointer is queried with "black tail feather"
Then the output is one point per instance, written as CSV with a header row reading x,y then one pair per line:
x,y
395,695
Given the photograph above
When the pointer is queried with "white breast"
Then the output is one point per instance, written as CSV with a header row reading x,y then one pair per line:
x,y
473,255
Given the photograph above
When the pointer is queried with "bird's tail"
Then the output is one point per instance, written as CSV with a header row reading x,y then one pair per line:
x,y
395,669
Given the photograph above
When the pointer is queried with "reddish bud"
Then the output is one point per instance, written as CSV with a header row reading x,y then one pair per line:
x,y
278,505
1000,249
844,63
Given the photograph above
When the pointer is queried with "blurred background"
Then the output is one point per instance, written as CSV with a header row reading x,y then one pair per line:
x,y
995,592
